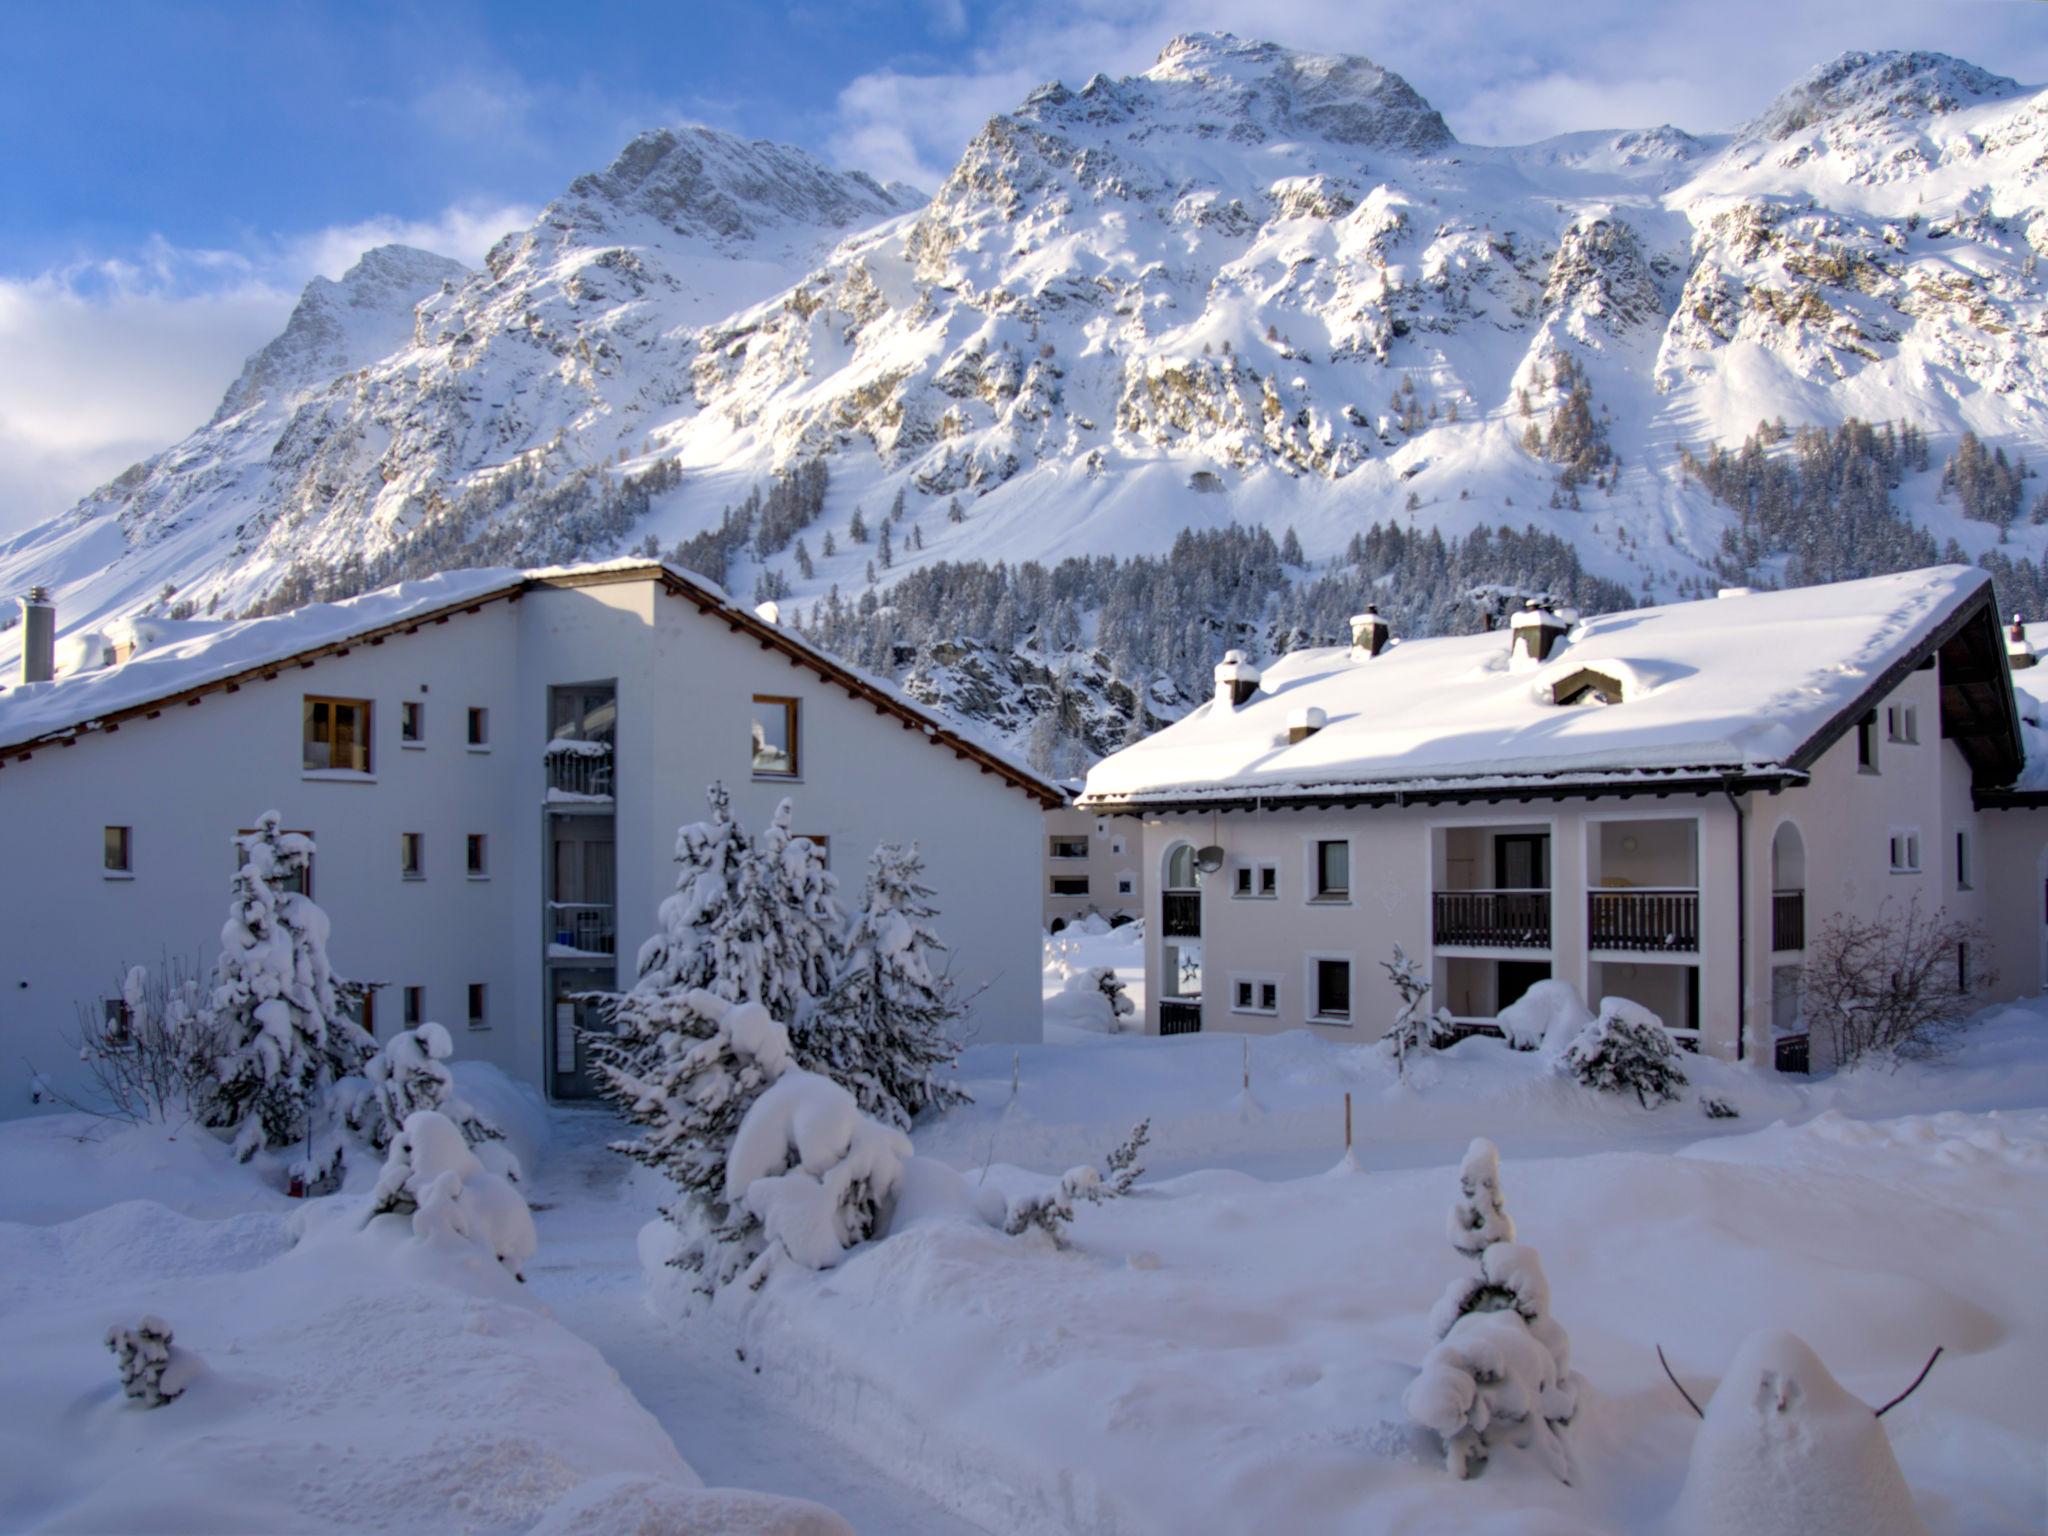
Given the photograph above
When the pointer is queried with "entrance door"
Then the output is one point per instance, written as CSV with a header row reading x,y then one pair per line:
x,y
570,1018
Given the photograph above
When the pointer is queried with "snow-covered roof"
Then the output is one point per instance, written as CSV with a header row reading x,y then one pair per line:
x,y
194,658
1752,684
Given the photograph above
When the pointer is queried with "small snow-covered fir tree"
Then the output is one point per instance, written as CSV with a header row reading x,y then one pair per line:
x,y
1415,1026
281,1034
1115,994
1627,1048
154,1371
882,1029
1501,1370
407,1074
431,1174
1052,1211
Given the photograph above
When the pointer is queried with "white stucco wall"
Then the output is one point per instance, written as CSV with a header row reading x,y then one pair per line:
x,y
1115,852
186,781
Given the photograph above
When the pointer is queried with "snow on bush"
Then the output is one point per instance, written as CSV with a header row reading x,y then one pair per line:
x,y
1785,1450
154,1371
1626,1049
283,1036
882,1030
147,1056
431,1173
1549,1016
1501,1370
1103,981
406,1075
1051,1211
1415,1027
813,1170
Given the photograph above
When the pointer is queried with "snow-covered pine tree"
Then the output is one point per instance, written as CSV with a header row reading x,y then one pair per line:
x,y
881,1031
154,1371
1415,1027
1627,1049
277,1007
1501,1370
407,1075
432,1175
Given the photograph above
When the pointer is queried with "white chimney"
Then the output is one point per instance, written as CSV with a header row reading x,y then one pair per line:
x,y
1304,722
2019,651
1236,680
1368,631
1534,633
38,636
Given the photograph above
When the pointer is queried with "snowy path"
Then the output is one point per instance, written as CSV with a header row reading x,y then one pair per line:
x,y
589,1206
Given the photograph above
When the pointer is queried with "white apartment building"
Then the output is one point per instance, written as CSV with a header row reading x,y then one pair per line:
x,y
1662,805
1091,866
493,765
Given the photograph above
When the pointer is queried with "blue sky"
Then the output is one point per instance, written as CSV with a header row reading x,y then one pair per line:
x,y
173,173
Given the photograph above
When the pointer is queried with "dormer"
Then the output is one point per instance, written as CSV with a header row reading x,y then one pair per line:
x,y
1588,685
1237,679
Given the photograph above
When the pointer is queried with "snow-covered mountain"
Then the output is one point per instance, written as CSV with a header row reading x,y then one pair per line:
x,y
1249,285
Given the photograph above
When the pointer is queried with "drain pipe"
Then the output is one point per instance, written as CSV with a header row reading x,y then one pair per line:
x,y
1741,922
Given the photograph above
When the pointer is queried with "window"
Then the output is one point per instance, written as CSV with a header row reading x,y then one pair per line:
x,y
1905,852
1116,846
1255,994
412,860
1126,886
1257,881
1962,861
1070,847
1102,826
336,735
479,729
818,841
119,851
1269,879
477,1019
412,723
1866,743
415,1006
118,1020
1070,885
364,1011
1901,723
1331,977
478,855
775,738
1333,871
301,881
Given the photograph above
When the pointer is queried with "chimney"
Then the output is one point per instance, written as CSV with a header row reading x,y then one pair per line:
x,y
1304,723
1534,633
38,636
1236,680
1368,631
2018,651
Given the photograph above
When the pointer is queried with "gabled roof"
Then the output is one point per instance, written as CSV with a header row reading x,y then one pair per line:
x,y
224,658
1746,690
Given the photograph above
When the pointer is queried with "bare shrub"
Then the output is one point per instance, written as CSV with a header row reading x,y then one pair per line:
x,y
1902,983
147,1047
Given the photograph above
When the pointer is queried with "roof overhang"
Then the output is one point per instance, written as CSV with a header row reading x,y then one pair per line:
x,y
1652,783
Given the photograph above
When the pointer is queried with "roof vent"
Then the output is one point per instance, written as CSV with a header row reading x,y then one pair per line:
x,y
1236,680
1304,723
1535,632
1368,631
2019,651
38,636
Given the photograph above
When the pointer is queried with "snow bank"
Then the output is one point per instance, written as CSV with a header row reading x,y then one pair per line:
x,y
453,1200
1547,1017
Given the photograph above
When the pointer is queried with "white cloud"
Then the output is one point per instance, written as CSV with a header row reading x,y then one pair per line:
x,y
112,360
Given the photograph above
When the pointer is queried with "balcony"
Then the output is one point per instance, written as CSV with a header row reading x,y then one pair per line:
x,y
581,928
1644,921
579,771
1493,919
1788,920
1180,1016
1181,914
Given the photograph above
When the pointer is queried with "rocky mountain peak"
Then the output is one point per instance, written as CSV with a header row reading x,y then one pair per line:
x,y
1343,98
342,324
1868,89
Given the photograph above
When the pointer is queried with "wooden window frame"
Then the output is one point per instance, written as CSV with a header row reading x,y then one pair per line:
x,y
412,723
1059,880
413,1007
1315,1012
1060,840
476,855
311,858
1329,894
309,704
412,855
125,869
792,728
479,728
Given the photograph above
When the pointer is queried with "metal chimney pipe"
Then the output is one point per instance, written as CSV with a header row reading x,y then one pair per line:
x,y
38,636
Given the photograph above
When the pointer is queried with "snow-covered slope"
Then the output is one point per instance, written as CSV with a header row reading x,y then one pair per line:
x,y
1248,285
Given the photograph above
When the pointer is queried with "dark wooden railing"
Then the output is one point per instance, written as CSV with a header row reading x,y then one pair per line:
x,y
1794,1053
1494,919
1654,922
1181,914
1180,1016
1788,920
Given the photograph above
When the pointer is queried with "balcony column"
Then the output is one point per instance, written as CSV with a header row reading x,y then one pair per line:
x,y
1721,987
1568,865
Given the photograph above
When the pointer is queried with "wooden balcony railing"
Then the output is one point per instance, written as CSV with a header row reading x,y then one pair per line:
x,y
587,927
1493,919
1180,914
1180,1015
1647,921
1788,920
